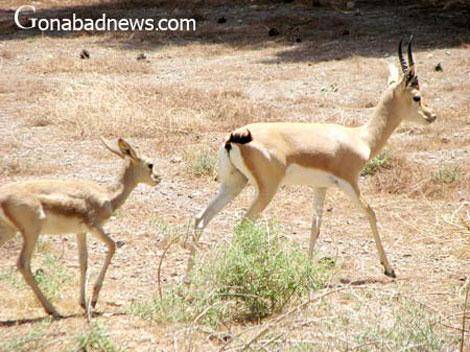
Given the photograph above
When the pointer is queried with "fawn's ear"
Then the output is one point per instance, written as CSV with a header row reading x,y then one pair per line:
x,y
112,149
126,149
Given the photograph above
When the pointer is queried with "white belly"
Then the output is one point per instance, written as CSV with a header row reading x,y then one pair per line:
x,y
58,225
299,175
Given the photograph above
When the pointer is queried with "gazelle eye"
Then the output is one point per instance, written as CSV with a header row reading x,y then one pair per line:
x,y
150,166
417,98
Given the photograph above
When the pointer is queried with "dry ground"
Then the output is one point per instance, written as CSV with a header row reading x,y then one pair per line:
x,y
179,104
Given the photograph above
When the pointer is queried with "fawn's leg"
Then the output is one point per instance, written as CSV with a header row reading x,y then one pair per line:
x,y
101,235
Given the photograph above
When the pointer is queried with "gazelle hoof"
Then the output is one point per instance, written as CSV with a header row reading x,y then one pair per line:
x,y
390,273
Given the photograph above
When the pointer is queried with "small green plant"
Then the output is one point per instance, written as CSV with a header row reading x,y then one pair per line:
x,y
257,274
52,283
50,277
172,307
447,174
301,346
96,340
412,329
27,342
381,161
13,278
201,162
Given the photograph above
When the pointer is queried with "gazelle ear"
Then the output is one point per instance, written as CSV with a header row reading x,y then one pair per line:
x,y
393,76
126,149
112,149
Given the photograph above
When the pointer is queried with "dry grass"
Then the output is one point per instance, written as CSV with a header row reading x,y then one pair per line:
x,y
25,167
179,105
441,181
110,106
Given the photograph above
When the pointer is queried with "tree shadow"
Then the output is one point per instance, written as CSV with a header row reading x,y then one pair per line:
x,y
302,32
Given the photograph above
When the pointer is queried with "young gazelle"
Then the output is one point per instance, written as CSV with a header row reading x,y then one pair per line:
x,y
315,154
60,207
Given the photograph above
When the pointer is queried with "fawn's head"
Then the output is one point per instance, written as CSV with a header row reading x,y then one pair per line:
x,y
141,168
407,93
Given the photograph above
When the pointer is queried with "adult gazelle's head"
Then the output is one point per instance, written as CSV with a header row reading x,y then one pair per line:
x,y
407,91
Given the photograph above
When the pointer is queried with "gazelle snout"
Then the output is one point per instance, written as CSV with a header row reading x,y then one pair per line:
x,y
156,179
429,115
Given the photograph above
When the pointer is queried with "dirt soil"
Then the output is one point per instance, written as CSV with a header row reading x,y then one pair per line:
x,y
327,64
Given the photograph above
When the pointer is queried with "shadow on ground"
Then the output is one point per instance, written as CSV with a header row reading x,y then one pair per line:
x,y
311,33
16,322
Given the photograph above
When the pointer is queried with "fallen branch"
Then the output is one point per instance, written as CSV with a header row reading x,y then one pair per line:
x,y
160,263
464,317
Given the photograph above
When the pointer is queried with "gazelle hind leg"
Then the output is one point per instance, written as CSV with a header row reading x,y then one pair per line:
x,y
229,189
28,216
318,200
264,195
30,237
355,195
232,183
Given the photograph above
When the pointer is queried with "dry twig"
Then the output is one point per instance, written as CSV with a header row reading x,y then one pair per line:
x,y
462,342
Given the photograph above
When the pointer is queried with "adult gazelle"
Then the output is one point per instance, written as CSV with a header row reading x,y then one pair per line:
x,y
320,155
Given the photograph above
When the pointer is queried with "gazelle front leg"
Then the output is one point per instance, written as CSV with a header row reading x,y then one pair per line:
x,y
318,200
356,196
378,243
83,259
99,232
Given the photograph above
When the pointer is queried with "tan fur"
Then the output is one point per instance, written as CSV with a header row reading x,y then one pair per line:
x,y
59,207
316,154
319,146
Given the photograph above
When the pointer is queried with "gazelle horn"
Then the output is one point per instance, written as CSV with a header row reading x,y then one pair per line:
x,y
404,66
411,61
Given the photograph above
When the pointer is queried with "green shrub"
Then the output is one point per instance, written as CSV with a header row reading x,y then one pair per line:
x,y
257,274
261,273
